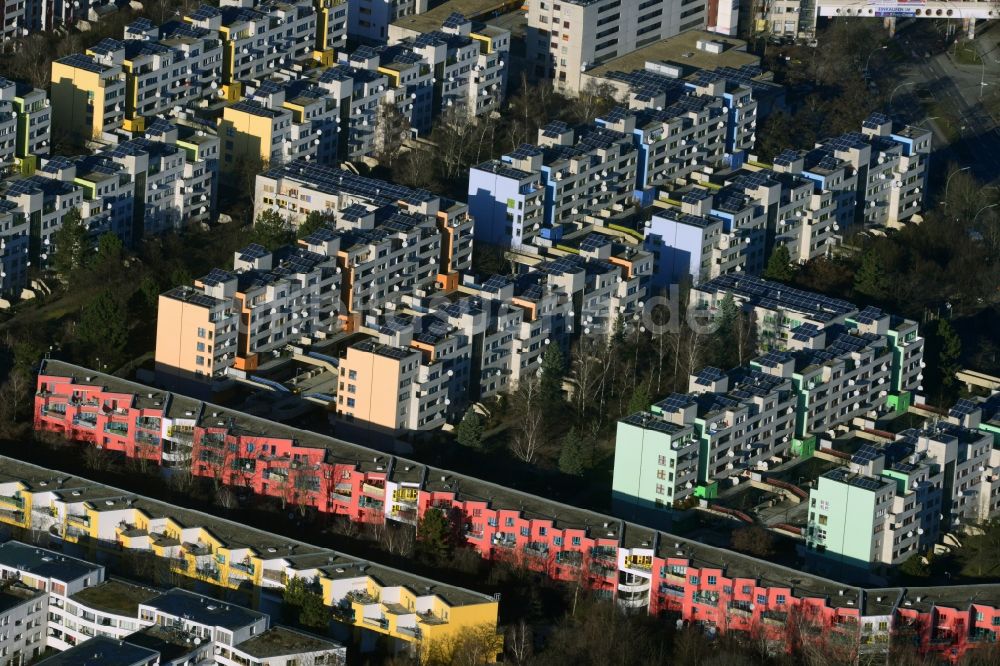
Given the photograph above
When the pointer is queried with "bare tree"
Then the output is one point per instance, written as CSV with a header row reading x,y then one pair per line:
x,y
391,131
527,437
518,643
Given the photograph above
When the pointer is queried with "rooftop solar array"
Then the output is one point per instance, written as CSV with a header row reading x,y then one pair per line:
x,y
773,359
875,120
454,21
82,61
865,454
332,180
675,402
869,315
963,407
495,283
781,296
253,251
805,332
216,276
594,242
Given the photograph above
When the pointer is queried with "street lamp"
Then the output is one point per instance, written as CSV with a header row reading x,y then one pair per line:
x,y
976,216
947,183
907,83
869,60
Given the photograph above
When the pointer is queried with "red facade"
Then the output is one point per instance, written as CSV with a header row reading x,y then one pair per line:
x,y
638,577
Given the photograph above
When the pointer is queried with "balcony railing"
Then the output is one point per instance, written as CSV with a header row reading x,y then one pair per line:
x,y
741,608
504,540
603,553
17,501
375,505
775,617
412,632
274,576
120,429
363,598
536,549
569,559
373,490
707,598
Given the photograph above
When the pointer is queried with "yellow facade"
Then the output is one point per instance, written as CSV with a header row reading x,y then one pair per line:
x,y
195,552
244,135
73,91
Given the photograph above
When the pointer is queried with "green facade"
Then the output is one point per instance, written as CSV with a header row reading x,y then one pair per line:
x,y
848,513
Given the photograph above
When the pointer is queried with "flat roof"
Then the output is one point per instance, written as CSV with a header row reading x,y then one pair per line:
x,y
101,651
434,18
15,595
204,610
681,50
278,641
115,596
41,561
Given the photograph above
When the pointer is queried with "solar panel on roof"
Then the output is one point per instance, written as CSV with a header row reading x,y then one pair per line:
x,y
962,408
674,402
593,242
865,454
495,283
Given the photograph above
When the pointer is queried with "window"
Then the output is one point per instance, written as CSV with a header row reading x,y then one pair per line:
x,y
350,402
693,580
201,332
352,374
711,580
508,522
576,541
199,360
761,599
557,541
662,460
201,346
822,519
781,599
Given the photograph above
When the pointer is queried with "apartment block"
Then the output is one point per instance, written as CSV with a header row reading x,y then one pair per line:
x,y
469,63
748,419
108,193
28,109
565,39
88,97
704,234
643,569
214,552
304,123
797,320
369,20
258,38
359,93
938,478
581,177
82,614
23,620
228,319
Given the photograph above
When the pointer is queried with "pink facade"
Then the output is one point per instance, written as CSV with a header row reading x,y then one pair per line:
x,y
594,554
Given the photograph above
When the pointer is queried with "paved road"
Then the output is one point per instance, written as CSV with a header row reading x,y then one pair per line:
x,y
956,87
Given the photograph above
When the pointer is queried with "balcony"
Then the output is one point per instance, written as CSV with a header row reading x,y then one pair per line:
x,y
639,586
981,635
274,576
504,540
372,490
57,410
89,422
640,602
147,438
471,533
245,566
404,515
536,549
706,598
197,549
741,608
74,519
370,504
380,622
17,501
412,632
148,424
672,590
114,428
361,597
569,559
208,572
774,618
607,553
